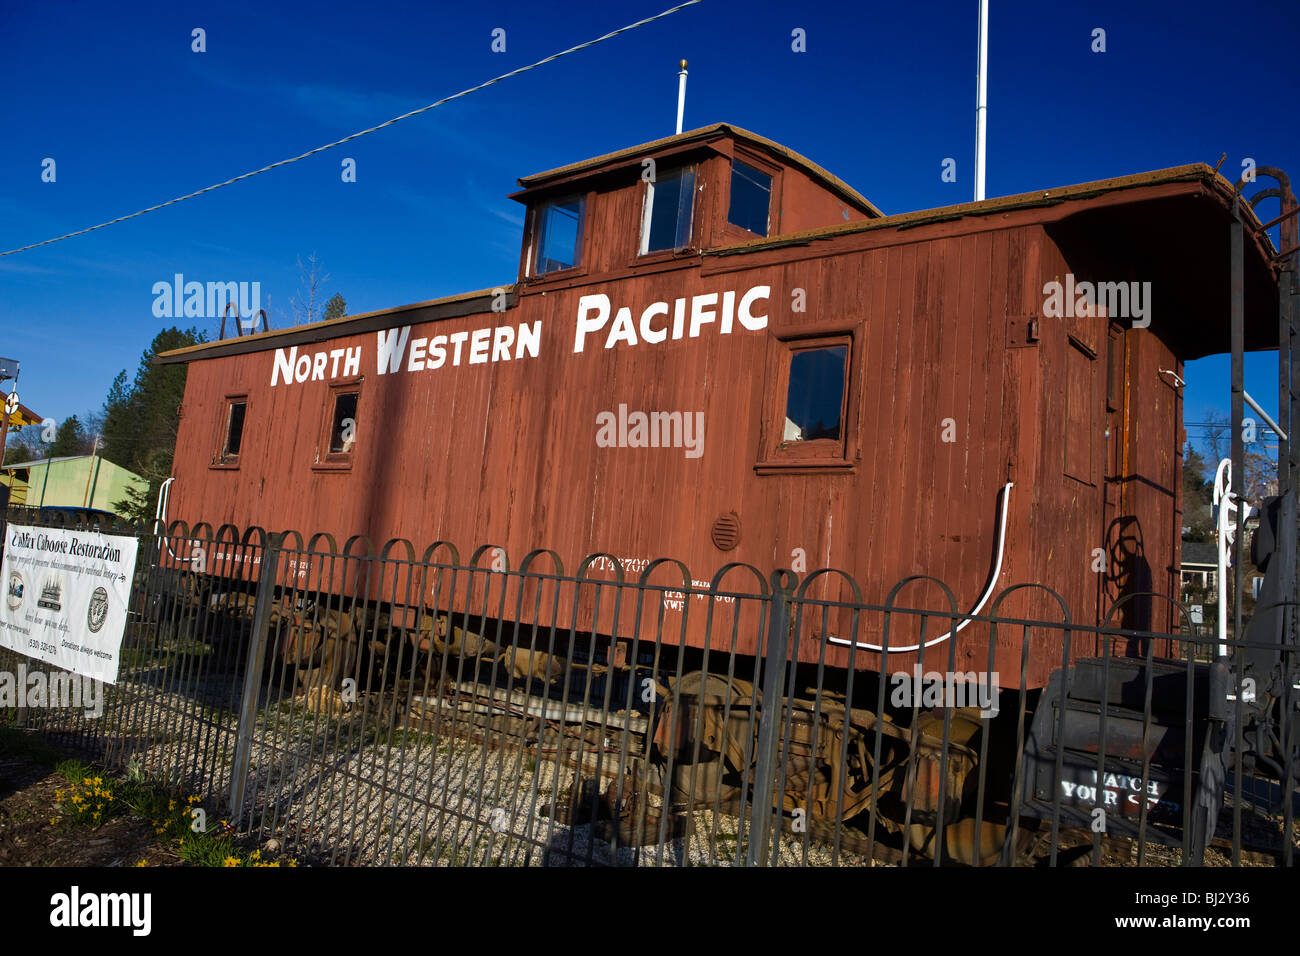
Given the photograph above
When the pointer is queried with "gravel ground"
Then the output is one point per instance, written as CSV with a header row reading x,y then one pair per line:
x,y
348,789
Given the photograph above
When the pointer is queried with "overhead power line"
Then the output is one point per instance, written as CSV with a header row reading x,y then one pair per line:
x,y
364,132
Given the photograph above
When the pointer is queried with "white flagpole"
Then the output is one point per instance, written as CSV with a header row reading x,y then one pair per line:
x,y
982,106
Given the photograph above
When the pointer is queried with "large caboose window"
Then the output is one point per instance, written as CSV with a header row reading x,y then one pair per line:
x,y
814,404
669,204
559,235
751,198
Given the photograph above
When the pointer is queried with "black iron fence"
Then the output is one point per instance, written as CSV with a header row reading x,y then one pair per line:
x,y
390,707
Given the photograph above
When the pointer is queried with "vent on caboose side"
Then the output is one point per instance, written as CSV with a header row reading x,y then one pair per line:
x,y
726,532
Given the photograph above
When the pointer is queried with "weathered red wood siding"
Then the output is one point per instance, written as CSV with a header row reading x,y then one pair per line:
x,y
505,453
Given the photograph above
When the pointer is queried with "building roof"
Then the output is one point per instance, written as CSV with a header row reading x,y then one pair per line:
x,y
1200,554
49,461
23,417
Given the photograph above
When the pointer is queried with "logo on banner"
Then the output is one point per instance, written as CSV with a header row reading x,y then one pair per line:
x,y
51,594
14,591
97,612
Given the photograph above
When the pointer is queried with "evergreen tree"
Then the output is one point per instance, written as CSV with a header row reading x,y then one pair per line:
x,y
336,307
70,440
140,420
1198,497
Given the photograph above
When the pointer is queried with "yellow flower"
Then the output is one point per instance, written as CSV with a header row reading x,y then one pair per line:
x,y
293,862
108,797
98,781
85,781
143,863
231,861
192,800
255,855
53,820
171,804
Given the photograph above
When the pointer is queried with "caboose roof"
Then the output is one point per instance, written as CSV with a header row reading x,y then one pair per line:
x,y
1168,218
669,144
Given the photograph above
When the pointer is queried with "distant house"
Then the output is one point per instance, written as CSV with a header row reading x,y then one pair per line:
x,y
1200,568
81,481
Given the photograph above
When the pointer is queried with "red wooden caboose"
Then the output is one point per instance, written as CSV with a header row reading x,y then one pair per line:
x,y
717,351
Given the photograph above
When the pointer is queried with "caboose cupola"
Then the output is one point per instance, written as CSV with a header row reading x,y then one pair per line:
x,y
655,205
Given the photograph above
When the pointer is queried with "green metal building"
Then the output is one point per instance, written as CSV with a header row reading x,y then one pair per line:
x,y
83,481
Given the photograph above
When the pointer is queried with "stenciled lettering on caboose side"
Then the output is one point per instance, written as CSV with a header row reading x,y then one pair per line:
x,y
1113,787
654,326
396,351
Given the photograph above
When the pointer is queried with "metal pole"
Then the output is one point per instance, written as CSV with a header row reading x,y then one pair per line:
x,y
681,95
1238,411
981,102
47,479
94,453
99,460
253,676
1237,291
778,639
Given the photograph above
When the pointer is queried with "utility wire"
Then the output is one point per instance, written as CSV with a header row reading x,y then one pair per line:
x,y
364,132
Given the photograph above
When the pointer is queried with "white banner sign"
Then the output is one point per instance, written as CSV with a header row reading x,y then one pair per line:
x,y
65,597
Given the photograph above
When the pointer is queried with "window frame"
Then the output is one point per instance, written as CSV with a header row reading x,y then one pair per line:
x,y
222,458
327,460
535,216
647,206
776,455
737,233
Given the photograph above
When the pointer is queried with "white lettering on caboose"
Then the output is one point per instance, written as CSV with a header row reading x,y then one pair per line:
x,y
396,350
689,316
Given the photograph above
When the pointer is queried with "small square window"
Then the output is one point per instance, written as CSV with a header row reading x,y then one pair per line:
x,y
234,433
669,204
344,428
751,198
809,409
559,235
815,399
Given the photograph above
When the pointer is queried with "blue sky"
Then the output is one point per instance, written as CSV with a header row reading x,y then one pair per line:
x,y
132,117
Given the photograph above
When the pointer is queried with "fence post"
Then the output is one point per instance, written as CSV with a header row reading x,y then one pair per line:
x,y
253,675
769,721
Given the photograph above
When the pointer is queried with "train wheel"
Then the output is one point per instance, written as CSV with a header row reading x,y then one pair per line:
x,y
700,738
